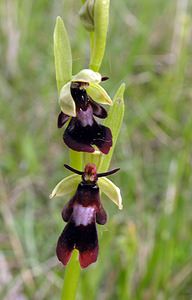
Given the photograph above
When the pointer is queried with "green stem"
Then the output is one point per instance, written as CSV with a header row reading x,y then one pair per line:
x,y
76,159
99,36
71,279
91,41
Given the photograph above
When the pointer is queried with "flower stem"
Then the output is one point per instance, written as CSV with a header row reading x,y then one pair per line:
x,y
71,278
76,159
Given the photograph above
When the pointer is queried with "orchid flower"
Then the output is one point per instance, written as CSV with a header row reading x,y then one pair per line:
x,y
83,211
78,101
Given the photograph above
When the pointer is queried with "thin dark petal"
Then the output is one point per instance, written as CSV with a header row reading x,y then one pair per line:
x,y
98,110
101,216
62,119
104,78
103,139
73,170
108,172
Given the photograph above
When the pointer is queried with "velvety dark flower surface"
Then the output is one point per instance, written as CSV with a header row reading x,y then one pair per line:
x,y
83,131
82,213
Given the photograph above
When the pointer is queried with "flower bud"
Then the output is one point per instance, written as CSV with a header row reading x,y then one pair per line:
x,y
86,14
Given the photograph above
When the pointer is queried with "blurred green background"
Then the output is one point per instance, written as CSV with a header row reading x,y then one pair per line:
x,y
146,249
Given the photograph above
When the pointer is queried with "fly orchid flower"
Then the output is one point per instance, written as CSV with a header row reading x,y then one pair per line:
x,y
78,100
83,211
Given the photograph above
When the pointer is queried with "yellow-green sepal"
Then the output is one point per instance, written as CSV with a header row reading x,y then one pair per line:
x,y
66,102
87,76
66,186
111,191
98,94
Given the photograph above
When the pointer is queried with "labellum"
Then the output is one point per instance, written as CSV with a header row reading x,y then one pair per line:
x,y
82,213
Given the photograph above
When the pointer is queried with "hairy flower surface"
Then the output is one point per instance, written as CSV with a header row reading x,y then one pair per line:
x,y
78,102
82,213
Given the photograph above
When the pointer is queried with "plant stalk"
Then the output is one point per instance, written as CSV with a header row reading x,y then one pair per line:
x,y
71,278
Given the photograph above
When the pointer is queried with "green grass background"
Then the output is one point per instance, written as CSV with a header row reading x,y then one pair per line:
x,y
146,249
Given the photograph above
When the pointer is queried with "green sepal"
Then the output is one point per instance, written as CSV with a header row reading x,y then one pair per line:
x,y
66,102
111,191
87,76
114,122
66,186
98,94
62,53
